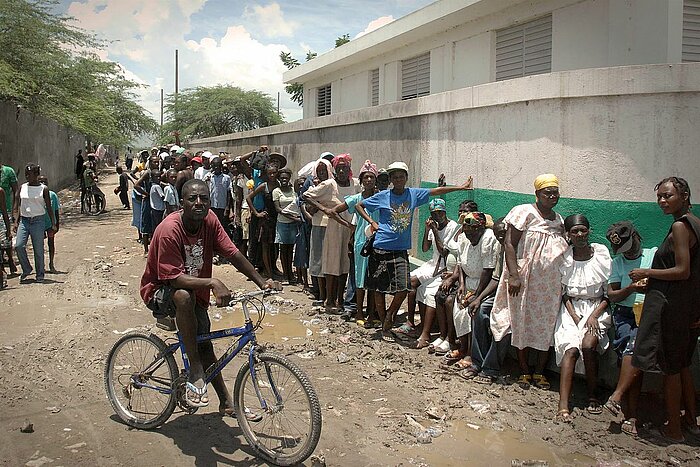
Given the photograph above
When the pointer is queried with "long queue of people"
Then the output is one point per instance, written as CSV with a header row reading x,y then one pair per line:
x,y
531,280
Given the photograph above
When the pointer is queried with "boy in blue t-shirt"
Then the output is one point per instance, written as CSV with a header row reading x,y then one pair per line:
x,y
388,269
50,234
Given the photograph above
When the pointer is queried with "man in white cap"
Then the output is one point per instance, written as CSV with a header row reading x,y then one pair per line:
x,y
204,170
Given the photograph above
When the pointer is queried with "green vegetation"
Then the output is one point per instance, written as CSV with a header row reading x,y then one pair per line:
x,y
212,111
49,67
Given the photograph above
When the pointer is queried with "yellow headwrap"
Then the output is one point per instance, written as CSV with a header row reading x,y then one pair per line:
x,y
545,181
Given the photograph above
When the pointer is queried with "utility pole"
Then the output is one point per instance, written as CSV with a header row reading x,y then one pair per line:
x,y
161,110
176,76
278,103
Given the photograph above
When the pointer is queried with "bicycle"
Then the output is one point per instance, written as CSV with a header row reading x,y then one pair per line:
x,y
275,404
94,201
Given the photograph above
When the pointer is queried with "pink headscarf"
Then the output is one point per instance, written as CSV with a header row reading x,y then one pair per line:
x,y
369,167
329,167
343,159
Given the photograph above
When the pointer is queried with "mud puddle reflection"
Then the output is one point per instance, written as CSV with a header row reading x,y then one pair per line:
x,y
277,328
462,445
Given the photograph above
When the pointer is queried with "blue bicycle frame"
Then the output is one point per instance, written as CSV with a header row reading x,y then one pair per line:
x,y
247,335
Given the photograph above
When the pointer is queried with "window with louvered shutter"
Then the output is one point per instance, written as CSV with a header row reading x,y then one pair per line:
x,y
524,49
323,102
374,86
415,77
691,30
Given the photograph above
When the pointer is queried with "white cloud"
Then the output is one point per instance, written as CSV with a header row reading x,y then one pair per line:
x,y
375,24
269,20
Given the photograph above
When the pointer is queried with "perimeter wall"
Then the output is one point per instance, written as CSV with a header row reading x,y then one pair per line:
x,y
28,138
610,134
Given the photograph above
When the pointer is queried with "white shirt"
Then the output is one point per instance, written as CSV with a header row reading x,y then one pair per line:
x,y
201,172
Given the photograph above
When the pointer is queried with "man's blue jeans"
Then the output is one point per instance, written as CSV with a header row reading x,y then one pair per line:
x,y
33,227
487,354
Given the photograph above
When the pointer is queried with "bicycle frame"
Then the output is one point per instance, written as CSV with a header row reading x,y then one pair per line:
x,y
247,335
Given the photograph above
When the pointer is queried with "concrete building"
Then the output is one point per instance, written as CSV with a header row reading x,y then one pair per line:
x,y
595,91
452,44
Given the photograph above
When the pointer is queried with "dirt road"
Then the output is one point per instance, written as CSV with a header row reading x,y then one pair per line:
x,y
54,338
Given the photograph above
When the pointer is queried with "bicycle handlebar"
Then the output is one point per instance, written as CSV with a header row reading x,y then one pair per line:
x,y
248,295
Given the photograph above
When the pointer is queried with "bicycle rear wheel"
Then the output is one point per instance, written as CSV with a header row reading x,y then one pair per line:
x,y
95,204
140,380
286,429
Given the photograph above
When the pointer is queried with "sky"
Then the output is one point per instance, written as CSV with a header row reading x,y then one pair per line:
x,y
223,41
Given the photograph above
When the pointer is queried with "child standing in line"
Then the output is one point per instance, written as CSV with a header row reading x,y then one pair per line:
x,y
157,197
123,188
302,239
172,200
51,233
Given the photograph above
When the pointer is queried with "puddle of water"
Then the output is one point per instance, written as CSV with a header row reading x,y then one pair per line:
x,y
275,328
462,445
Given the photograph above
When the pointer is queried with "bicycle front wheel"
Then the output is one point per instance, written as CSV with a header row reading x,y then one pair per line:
x,y
95,204
140,380
283,423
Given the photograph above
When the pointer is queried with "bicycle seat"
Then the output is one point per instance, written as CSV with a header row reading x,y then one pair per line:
x,y
166,323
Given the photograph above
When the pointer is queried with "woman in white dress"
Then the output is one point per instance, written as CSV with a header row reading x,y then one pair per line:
x,y
584,317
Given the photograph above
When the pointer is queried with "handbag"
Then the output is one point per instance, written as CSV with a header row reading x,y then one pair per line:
x,y
368,246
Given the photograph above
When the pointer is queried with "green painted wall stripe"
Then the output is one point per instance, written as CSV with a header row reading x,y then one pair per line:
x,y
647,217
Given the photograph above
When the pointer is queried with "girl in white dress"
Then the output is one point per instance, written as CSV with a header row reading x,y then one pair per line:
x,y
584,317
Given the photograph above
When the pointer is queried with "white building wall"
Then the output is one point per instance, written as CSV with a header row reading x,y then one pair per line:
x,y
585,34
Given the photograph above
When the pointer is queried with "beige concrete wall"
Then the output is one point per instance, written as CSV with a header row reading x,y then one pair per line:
x,y
27,138
610,132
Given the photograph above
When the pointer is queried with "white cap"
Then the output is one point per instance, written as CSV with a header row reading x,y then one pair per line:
x,y
174,147
207,154
397,166
163,155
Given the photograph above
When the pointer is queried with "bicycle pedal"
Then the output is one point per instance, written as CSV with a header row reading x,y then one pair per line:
x,y
166,323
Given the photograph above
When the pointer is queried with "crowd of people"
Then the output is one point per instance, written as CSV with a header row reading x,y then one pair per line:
x,y
531,281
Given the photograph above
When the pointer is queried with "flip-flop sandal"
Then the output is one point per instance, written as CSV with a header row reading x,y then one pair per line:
x,y
454,356
540,382
388,337
468,373
629,427
484,379
563,416
407,329
229,412
442,349
368,324
594,407
360,322
525,381
613,407
420,344
195,397
462,364
433,345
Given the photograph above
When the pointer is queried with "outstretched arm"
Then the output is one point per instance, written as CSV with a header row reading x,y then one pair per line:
x,y
443,190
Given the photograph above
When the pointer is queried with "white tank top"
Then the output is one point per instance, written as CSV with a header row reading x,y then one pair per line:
x,y
32,201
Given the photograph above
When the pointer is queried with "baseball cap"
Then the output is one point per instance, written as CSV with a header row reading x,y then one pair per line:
x,y
621,236
394,166
174,147
437,204
197,159
207,154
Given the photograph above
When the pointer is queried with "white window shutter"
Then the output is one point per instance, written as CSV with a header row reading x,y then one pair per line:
x,y
415,77
691,31
524,49
374,87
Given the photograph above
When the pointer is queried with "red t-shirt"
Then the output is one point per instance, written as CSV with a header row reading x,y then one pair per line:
x,y
174,252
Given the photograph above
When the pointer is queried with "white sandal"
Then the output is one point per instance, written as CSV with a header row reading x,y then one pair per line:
x,y
442,348
434,344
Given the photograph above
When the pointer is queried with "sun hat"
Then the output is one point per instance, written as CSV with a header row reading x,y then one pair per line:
x,y
276,156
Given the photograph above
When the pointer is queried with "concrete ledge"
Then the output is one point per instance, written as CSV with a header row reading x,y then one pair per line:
x,y
612,81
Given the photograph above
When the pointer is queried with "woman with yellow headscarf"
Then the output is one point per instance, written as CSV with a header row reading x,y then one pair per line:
x,y
529,292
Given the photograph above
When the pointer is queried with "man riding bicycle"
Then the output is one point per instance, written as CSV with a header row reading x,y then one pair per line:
x,y
178,278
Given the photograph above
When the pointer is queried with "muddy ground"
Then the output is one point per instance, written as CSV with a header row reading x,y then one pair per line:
x,y
54,338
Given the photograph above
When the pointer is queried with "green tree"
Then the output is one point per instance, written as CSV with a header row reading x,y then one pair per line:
x,y
47,67
295,90
213,111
